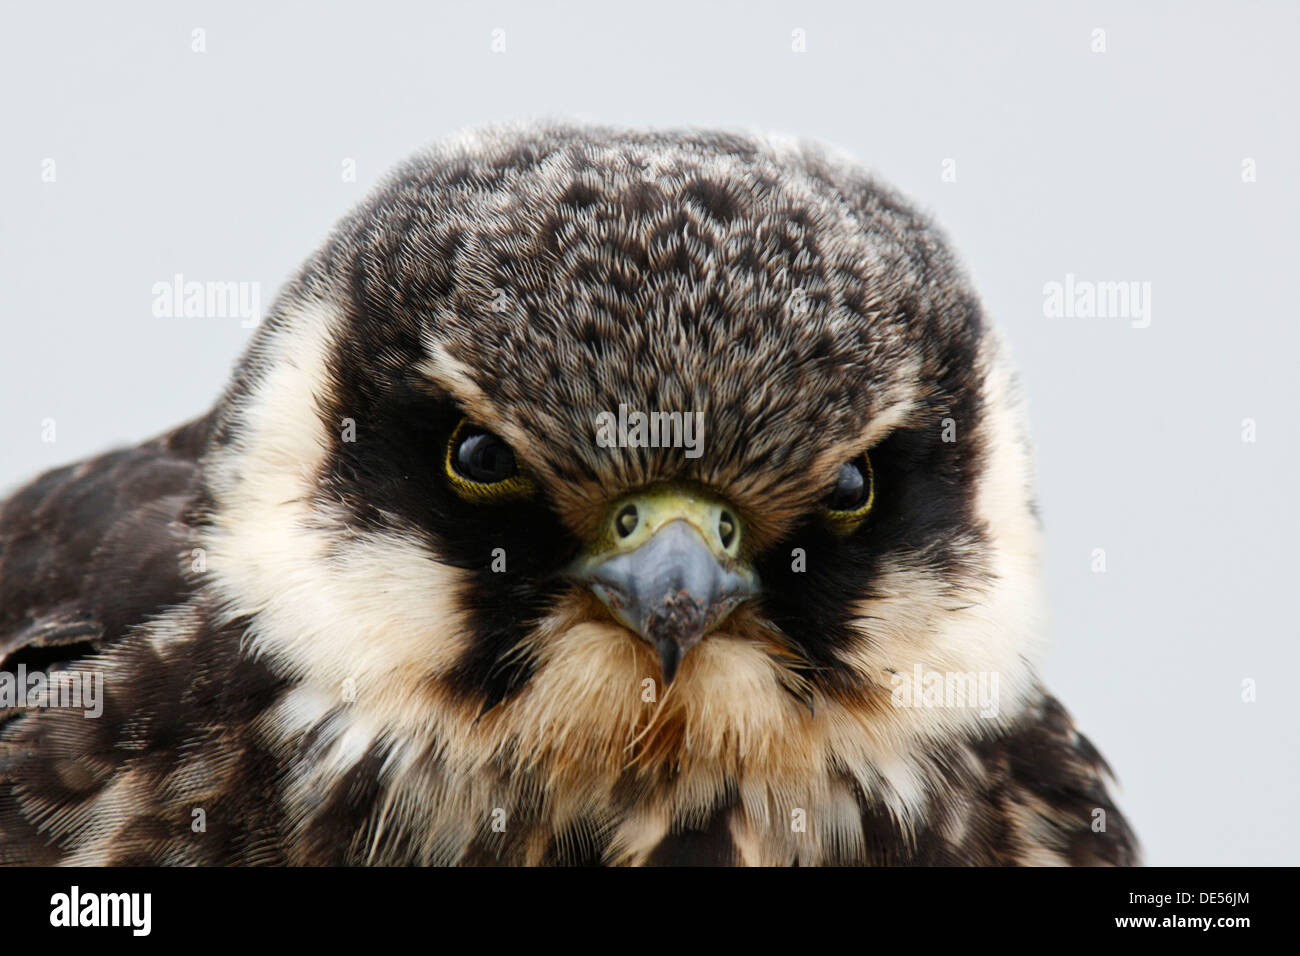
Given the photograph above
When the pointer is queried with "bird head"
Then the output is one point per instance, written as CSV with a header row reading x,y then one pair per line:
x,y
588,445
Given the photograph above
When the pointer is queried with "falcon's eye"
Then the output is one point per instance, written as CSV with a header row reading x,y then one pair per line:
x,y
850,500
484,458
481,467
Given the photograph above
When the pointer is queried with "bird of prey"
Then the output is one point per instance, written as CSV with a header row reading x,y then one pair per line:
x,y
591,496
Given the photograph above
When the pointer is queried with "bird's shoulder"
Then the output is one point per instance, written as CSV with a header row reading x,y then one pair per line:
x,y
1046,795
89,549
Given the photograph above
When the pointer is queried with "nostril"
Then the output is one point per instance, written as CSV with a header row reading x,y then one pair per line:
x,y
726,529
626,520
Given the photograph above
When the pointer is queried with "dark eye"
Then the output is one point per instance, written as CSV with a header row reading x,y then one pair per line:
x,y
484,458
850,500
850,492
481,467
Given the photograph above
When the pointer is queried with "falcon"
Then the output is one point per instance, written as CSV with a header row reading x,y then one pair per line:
x,y
592,496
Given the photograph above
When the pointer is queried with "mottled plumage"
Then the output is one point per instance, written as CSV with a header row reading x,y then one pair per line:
x,y
316,645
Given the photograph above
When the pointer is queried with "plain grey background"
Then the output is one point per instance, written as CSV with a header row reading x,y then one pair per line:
x,y
1122,165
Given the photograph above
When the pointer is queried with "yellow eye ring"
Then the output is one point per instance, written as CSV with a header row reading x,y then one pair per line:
x,y
844,521
513,487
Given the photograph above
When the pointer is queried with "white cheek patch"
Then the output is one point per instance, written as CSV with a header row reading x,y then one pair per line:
x,y
959,657
361,616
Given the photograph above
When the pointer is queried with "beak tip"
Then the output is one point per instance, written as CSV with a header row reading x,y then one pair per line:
x,y
670,590
670,656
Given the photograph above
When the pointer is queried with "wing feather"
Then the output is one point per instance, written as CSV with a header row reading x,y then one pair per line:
x,y
90,549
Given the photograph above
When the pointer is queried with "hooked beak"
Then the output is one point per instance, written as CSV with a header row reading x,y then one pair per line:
x,y
667,568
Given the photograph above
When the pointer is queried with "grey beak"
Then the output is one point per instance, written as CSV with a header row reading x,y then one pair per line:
x,y
672,590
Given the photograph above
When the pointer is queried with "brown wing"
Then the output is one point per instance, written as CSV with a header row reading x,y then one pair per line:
x,y
90,549
1047,797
